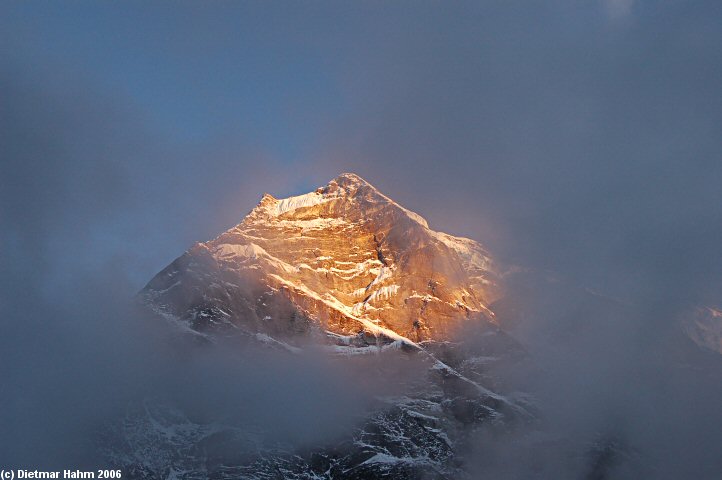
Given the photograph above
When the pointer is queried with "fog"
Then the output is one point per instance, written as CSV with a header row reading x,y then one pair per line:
x,y
580,143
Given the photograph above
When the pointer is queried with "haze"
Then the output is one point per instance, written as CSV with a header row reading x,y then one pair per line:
x,y
580,139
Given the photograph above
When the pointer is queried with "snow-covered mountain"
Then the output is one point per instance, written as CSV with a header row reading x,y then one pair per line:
x,y
347,270
344,259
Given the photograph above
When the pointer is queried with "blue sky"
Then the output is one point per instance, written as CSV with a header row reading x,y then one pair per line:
x,y
194,73
556,133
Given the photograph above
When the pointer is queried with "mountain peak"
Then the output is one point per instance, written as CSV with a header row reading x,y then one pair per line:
x,y
351,185
345,257
350,179
347,194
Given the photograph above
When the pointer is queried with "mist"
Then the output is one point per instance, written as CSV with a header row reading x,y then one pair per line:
x,y
580,143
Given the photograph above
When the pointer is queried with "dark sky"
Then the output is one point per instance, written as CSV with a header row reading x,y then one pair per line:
x,y
583,138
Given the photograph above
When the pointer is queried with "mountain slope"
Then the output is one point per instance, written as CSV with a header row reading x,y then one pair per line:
x,y
345,259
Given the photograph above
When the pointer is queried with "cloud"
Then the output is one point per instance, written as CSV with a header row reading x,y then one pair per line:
x,y
561,143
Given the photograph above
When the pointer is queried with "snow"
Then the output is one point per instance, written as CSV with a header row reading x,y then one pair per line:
x,y
319,223
383,293
250,254
337,305
343,339
339,274
362,267
469,250
378,330
262,337
355,180
480,360
301,201
282,206
165,290
441,366
383,274
351,350
344,263
176,322
391,460
425,298
250,251
414,216
416,414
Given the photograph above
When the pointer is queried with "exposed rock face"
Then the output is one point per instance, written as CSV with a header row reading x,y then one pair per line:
x,y
344,259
